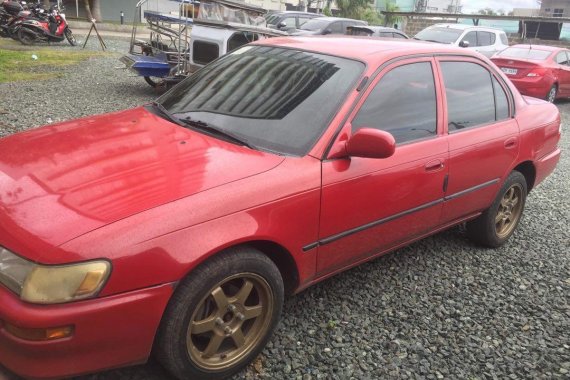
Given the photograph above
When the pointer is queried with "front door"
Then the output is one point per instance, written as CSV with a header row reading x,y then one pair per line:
x,y
370,205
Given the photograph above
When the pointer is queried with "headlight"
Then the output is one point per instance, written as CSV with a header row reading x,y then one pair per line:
x,y
52,284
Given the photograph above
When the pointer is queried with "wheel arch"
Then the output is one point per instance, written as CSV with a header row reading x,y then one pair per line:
x,y
281,257
528,170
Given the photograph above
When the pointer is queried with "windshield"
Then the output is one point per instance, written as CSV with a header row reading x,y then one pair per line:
x,y
443,35
276,99
314,25
526,53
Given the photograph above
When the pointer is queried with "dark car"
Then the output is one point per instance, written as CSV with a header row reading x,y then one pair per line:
x,y
327,25
375,31
289,20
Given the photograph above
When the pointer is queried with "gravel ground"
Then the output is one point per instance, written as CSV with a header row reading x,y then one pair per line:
x,y
440,308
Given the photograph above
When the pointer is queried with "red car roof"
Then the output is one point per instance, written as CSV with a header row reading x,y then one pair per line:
x,y
368,49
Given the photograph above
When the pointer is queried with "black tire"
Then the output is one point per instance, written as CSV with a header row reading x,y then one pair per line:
x,y
182,345
70,37
497,224
155,82
26,36
551,95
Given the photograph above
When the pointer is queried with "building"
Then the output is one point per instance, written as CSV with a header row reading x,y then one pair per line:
x,y
443,6
432,6
526,12
111,10
555,8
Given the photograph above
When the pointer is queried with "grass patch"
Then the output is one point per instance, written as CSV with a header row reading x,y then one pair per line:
x,y
16,62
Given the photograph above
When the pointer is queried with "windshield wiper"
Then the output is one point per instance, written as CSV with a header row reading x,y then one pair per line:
x,y
199,124
439,42
164,112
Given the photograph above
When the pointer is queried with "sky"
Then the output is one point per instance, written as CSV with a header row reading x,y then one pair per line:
x,y
506,5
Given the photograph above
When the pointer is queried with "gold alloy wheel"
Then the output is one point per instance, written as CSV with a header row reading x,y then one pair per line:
x,y
230,321
509,211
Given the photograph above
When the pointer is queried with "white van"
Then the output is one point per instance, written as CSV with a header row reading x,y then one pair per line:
x,y
485,40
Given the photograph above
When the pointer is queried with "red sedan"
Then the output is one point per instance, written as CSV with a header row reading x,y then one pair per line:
x,y
537,70
179,227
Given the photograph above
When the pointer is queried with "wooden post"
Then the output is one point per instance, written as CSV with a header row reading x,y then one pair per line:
x,y
94,27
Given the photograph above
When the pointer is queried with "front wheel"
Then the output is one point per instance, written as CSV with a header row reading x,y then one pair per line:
x,y
26,36
551,96
70,37
498,222
221,316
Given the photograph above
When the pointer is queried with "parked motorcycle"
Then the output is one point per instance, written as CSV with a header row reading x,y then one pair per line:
x,y
11,12
53,28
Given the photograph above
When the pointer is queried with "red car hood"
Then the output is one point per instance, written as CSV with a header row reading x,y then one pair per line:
x,y
61,181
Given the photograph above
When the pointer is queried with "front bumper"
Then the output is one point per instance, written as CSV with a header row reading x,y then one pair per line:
x,y
108,332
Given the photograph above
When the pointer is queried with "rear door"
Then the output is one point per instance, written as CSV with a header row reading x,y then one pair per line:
x,y
483,137
370,205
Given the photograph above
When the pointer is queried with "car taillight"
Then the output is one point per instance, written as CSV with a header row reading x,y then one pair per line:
x,y
537,73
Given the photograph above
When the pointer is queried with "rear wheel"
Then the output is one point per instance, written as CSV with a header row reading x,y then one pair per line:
x,y
498,222
70,37
155,82
221,316
551,96
26,36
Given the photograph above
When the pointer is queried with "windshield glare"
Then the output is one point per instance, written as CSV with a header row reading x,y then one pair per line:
x,y
525,53
314,25
443,35
276,99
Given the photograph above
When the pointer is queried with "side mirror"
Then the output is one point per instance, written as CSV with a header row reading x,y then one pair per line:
x,y
371,143
282,25
327,31
464,44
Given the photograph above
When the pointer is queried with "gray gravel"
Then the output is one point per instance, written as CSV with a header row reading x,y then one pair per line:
x,y
440,308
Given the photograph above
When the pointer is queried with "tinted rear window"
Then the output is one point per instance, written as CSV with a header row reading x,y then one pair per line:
x,y
526,53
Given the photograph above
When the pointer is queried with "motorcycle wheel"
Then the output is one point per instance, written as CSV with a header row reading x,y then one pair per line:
x,y
70,37
26,36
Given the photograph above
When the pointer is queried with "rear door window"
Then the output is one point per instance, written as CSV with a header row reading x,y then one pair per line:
x,y
501,101
402,103
485,39
470,95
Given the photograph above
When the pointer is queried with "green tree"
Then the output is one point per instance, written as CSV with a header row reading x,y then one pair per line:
x,y
371,16
487,11
93,9
352,8
390,20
